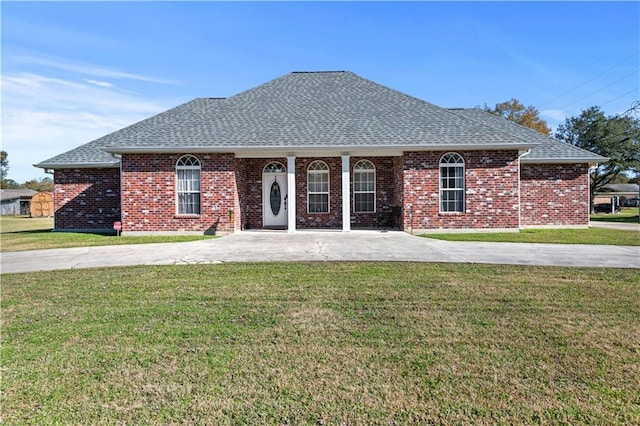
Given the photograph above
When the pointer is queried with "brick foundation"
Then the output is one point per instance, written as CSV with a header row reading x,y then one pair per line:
x,y
86,199
554,194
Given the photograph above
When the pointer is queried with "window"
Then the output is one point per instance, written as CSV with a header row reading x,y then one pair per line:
x,y
364,187
188,185
318,187
452,183
274,168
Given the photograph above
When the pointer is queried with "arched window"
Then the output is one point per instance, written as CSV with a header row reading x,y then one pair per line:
x,y
188,185
452,183
274,168
364,187
318,187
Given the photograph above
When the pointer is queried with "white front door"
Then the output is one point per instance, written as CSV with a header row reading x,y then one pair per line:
x,y
274,196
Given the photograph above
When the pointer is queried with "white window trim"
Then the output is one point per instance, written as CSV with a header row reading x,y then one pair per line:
x,y
315,193
178,192
375,186
463,189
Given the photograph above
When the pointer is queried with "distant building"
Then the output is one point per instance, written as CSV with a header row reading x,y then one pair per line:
x,y
15,201
620,191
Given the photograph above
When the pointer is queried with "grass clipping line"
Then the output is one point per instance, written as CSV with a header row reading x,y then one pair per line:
x,y
298,343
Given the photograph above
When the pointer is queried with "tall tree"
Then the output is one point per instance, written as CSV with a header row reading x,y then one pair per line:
x,y
4,168
528,116
615,137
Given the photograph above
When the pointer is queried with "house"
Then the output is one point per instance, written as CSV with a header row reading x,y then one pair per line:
x,y
320,150
15,201
621,194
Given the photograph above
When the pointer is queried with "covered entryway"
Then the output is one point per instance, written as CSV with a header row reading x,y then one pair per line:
x,y
274,195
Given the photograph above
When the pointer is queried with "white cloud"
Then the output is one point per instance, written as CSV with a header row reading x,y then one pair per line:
x,y
100,83
44,116
86,69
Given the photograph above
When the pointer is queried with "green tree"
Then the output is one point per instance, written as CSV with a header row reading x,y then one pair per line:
x,y
525,116
615,137
41,184
4,168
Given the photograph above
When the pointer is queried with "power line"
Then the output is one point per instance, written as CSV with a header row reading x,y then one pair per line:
x,y
618,97
574,75
600,89
588,81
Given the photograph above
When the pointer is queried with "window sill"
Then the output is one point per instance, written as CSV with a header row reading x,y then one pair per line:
x,y
187,216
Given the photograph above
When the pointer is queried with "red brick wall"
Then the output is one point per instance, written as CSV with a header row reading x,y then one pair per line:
x,y
333,219
86,199
385,191
554,194
149,194
491,191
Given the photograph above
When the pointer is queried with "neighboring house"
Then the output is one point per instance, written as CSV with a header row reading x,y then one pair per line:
x,y
620,192
15,201
321,150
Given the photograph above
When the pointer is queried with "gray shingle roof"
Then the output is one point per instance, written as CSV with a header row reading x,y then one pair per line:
x,y
548,150
621,187
13,194
319,110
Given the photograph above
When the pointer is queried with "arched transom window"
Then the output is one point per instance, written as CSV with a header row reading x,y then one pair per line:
x,y
188,185
274,168
318,187
452,183
364,187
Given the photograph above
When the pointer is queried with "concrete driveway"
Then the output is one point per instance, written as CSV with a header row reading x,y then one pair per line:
x,y
321,246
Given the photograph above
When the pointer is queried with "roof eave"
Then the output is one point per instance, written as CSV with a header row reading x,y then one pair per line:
x,y
55,166
294,148
568,160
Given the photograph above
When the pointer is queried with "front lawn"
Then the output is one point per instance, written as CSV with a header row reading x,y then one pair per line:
x,y
551,236
627,215
322,343
19,233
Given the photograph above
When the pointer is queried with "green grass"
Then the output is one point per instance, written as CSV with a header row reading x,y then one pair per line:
x,y
324,343
551,236
627,215
18,233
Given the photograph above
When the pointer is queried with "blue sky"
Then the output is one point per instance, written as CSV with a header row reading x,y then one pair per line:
x,y
75,71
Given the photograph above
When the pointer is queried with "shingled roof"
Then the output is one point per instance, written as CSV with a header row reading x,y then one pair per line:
x,y
548,149
301,110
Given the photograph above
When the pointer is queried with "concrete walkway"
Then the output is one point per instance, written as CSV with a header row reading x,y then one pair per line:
x,y
321,246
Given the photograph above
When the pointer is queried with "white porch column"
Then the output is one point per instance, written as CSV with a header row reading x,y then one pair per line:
x,y
346,194
291,193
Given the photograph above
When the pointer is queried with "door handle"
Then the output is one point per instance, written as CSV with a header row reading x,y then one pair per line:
x,y
285,201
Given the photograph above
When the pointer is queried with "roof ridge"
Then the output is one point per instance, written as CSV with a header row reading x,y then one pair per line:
x,y
321,72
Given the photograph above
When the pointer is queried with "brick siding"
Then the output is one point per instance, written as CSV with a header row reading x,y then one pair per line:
x,y
554,194
491,191
231,194
86,199
149,194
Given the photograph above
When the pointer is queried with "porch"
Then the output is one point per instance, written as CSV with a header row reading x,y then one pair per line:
x,y
338,192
